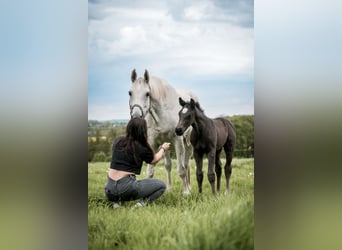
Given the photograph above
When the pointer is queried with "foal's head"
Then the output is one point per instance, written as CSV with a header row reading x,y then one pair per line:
x,y
186,115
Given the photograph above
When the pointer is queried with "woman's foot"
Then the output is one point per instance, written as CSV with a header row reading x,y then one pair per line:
x,y
141,203
117,204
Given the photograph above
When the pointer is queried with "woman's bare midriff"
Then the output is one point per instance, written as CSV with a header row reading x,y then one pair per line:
x,y
118,174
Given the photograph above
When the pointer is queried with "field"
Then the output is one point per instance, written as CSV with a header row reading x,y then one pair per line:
x,y
174,221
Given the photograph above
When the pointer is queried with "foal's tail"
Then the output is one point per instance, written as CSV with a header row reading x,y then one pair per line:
x,y
231,131
231,124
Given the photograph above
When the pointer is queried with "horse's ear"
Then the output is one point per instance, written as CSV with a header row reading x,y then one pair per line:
x,y
181,101
192,103
133,75
146,76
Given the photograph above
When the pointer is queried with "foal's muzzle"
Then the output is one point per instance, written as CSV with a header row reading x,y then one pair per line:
x,y
137,111
179,131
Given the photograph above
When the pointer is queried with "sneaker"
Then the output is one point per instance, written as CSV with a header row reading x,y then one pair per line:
x,y
140,204
116,204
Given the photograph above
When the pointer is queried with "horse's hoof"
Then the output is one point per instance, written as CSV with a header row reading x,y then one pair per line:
x,y
168,188
186,193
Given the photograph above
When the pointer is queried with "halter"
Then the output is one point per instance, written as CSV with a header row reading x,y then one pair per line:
x,y
138,106
150,110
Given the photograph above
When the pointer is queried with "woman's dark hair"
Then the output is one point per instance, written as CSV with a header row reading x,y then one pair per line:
x,y
136,132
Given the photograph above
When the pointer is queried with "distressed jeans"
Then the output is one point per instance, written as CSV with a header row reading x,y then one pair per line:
x,y
128,188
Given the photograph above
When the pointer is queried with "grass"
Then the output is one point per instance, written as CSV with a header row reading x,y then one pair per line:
x,y
175,221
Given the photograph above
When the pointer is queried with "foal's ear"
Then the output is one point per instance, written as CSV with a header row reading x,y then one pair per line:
x,y
146,76
133,75
192,103
181,101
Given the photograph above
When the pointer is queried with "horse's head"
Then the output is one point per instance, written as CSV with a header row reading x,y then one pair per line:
x,y
139,95
186,115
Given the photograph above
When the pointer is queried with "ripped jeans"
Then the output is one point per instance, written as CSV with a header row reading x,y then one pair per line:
x,y
128,188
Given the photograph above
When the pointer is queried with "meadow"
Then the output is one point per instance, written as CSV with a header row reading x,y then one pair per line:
x,y
175,221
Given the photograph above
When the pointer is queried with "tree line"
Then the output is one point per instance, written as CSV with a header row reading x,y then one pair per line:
x,y
100,138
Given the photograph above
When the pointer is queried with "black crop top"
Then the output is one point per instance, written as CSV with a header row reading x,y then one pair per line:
x,y
123,157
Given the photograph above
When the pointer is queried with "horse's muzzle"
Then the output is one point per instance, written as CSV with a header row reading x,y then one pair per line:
x,y
137,111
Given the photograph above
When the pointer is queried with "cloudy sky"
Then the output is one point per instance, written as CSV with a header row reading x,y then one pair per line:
x,y
206,46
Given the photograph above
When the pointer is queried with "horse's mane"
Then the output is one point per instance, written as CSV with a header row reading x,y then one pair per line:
x,y
199,107
160,88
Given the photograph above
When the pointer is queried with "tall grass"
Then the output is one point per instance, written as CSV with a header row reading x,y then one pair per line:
x,y
175,221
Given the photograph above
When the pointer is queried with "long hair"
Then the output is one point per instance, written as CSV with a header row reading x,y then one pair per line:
x,y
136,132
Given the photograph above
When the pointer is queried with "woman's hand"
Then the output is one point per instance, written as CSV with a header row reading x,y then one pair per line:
x,y
166,146
157,156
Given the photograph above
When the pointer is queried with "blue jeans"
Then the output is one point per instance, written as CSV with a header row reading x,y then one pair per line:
x,y
128,188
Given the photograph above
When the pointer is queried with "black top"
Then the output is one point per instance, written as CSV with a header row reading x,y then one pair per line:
x,y
123,155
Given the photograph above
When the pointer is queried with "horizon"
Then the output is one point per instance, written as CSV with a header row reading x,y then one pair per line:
x,y
124,119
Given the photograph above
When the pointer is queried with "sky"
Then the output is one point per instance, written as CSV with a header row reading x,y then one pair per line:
x,y
204,46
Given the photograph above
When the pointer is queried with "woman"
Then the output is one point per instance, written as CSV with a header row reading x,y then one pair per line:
x,y
129,152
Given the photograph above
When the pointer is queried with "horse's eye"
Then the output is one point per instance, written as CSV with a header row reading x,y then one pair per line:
x,y
147,94
129,93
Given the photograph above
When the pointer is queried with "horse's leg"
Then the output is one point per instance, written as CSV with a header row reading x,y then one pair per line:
x,y
218,168
229,149
150,170
150,167
211,173
168,167
182,172
199,173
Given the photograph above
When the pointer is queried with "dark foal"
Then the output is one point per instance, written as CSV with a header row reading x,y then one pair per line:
x,y
208,136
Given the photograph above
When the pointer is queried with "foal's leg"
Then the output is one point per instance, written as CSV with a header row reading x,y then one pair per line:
x,y
211,173
218,169
199,173
187,156
229,149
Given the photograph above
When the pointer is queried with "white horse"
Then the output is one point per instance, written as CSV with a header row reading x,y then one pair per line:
x,y
157,101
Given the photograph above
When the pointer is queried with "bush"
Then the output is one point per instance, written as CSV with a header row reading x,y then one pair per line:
x,y
108,158
99,157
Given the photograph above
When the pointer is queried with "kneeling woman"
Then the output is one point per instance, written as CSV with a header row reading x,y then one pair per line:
x,y
129,152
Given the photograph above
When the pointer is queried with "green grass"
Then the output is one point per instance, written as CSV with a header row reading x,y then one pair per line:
x,y
175,221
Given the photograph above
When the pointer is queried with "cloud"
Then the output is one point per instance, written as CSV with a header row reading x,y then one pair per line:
x,y
199,11
206,47
108,112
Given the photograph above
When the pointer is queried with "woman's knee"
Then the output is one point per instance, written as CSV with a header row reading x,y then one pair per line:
x,y
162,185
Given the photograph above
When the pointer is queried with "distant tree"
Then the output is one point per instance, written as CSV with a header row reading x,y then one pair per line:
x,y
97,135
103,146
99,157
99,144
244,125
91,149
114,132
106,124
